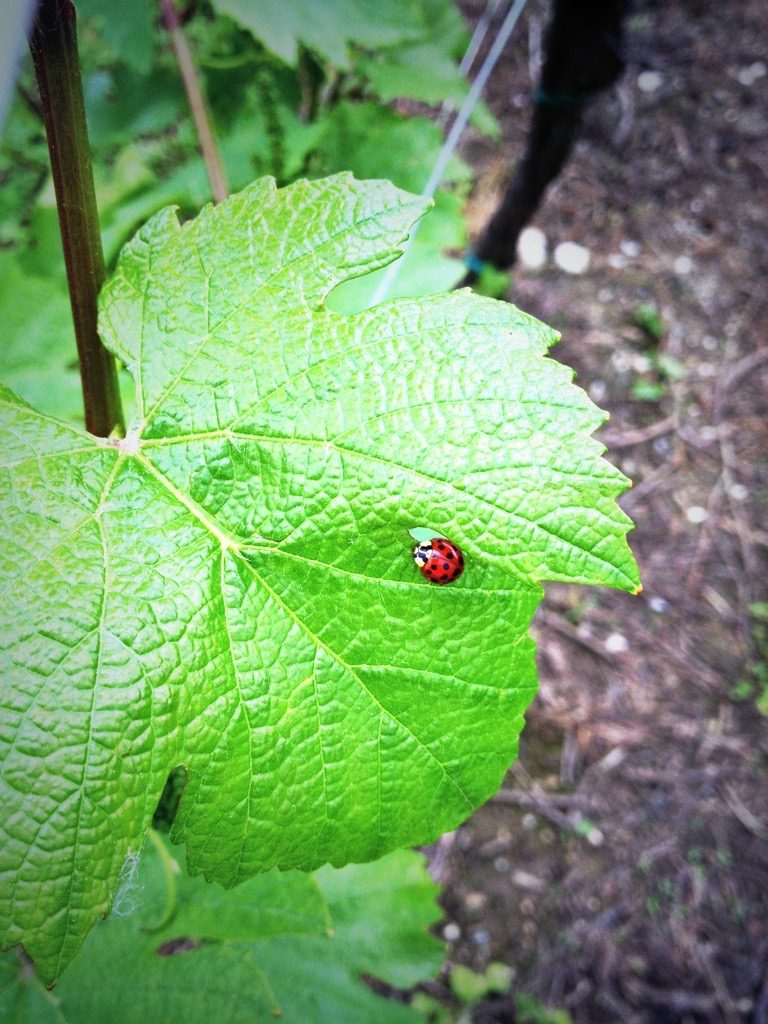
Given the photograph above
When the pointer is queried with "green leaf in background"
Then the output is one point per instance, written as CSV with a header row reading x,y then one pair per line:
x,y
38,358
324,26
468,986
285,945
127,29
231,587
528,1010
374,141
431,263
425,68
122,105
23,165
130,192
38,355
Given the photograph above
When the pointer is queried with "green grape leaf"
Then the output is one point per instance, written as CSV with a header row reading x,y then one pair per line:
x,y
122,104
430,263
284,945
416,72
368,139
38,358
326,28
129,34
23,163
425,68
230,587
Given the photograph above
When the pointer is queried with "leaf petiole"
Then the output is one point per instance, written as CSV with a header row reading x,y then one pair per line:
x,y
169,873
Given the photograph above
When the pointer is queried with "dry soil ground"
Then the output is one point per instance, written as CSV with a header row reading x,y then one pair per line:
x,y
623,870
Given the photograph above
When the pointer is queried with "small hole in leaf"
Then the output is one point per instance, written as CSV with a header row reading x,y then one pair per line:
x,y
168,803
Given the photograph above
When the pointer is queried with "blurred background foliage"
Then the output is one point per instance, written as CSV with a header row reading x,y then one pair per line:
x,y
296,90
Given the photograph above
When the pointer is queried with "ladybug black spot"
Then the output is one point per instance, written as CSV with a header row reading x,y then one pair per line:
x,y
446,565
444,578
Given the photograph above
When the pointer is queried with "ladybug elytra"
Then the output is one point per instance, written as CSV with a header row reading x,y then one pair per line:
x,y
439,559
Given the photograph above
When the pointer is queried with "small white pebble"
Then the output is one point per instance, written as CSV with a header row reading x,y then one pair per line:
x,y
708,433
683,265
501,864
685,226
629,247
696,514
612,759
475,900
639,362
750,74
617,261
616,643
481,937
451,932
526,880
649,81
595,837
598,390
660,605
572,257
529,822
532,248
738,492
709,343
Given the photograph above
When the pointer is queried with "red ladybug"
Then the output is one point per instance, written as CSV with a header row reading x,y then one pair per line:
x,y
440,560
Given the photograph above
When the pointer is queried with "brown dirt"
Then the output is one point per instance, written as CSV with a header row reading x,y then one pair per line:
x,y
623,871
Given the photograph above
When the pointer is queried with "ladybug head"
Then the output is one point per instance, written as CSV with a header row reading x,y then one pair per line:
x,y
422,553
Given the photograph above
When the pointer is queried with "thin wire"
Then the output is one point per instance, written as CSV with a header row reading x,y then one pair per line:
x,y
452,139
477,40
478,36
